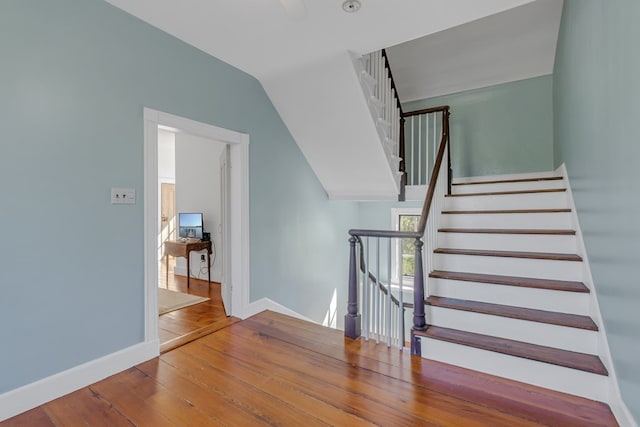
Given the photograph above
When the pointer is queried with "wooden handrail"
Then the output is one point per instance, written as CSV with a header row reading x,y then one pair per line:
x,y
422,223
393,83
443,108
444,144
402,168
385,233
353,318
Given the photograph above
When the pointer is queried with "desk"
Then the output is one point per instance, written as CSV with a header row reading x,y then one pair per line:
x,y
183,249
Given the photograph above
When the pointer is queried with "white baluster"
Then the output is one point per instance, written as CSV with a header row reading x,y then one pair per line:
x,y
366,312
420,180
377,293
413,144
389,333
379,76
401,293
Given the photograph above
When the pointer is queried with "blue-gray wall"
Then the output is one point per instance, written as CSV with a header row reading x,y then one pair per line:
x,y
597,134
74,79
500,129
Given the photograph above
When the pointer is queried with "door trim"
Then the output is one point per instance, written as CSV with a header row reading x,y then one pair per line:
x,y
238,205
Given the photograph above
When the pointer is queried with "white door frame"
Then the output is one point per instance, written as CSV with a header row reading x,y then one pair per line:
x,y
238,206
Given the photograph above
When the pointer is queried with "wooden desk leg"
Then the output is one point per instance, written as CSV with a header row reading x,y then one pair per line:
x,y
209,266
188,268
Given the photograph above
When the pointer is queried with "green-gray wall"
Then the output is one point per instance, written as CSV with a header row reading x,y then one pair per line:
x,y
500,129
74,79
597,135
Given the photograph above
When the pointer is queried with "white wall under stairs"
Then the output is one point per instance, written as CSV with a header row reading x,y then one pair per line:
x,y
325,109
466,229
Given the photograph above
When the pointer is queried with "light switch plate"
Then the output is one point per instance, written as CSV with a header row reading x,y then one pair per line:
x,y
123,196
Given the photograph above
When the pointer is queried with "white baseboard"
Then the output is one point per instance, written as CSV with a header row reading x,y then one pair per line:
x,y
29,396
268,304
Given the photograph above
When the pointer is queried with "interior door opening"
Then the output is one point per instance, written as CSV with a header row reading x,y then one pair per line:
x,y
224,211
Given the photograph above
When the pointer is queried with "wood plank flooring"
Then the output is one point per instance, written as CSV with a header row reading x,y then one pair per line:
x,y
180,326
272,369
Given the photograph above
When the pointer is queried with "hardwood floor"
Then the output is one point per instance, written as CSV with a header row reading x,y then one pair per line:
x,y
181,326
271,369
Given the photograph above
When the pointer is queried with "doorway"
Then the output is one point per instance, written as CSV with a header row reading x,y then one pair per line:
x,y
236,278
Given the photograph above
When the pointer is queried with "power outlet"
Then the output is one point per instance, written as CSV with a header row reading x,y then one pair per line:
x,y
202,258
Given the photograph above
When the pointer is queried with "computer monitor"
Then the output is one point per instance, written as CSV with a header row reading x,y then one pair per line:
x,y
190,225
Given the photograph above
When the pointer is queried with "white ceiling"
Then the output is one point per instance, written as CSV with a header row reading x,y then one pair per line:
x,y
302,52
268,37
513,45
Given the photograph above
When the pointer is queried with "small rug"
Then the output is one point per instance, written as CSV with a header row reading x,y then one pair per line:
x,y
172,300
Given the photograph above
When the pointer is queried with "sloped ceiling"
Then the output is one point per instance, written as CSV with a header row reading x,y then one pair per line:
x,y
268,37
517,44
302,50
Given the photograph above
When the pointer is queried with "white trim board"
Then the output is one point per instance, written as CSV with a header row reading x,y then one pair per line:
x,y
37,393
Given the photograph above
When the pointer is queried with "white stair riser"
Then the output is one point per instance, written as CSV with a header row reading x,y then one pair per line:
x,y
555,200
545,375
517,296
509,242
536,221
572,339
503,266
508,186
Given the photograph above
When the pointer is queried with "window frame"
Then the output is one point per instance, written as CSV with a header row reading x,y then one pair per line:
x,y
396,213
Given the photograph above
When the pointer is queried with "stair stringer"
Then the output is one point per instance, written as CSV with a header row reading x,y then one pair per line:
x,y
617,404
603,388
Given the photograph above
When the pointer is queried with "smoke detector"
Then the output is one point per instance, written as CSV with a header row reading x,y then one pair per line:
x,y
351,6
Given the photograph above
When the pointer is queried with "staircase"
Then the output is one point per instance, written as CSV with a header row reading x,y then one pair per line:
x,y
506,292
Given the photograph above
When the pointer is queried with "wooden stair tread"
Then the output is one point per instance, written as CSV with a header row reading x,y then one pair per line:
x,y
508,181
526,282
510,254
569,359
506,193
532,315
508,231
507,211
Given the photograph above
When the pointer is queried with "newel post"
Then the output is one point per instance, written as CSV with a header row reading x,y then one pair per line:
x,y
419,321
352,318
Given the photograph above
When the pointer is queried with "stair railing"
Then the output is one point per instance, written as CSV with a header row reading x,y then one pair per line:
x,y
385,108
383,312
420,140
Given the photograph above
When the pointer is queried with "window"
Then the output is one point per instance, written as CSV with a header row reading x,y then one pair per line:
x,y
408,223
404,219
